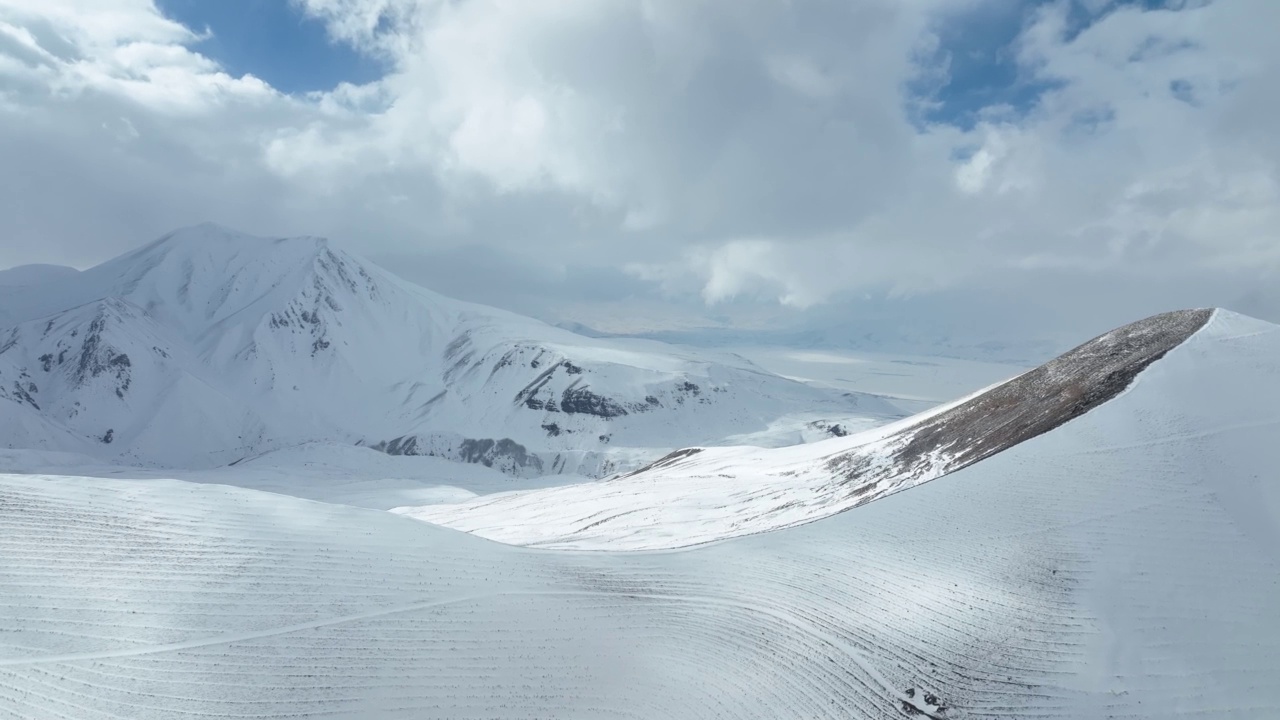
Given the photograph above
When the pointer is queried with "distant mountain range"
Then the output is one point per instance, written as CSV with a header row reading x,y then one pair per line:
x,y
208,346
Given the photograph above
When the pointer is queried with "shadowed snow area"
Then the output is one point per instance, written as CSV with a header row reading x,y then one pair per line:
x,y
1123,564
699,495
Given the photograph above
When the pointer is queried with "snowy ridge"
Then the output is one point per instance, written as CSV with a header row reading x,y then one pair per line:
x,y
705,494
208,346
1123,564
28,275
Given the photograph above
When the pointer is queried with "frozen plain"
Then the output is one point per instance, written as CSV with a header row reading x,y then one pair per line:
x,y
1126,564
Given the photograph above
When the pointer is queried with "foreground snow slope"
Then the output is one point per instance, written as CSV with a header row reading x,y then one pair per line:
x,y
700,495
1125,564
343,474
209,346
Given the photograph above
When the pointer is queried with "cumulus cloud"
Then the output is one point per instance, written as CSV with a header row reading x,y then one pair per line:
x,y
755,151
116,47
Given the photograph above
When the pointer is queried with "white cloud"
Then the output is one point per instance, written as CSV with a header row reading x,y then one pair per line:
x,y
743,266
758,149
801,75
123,47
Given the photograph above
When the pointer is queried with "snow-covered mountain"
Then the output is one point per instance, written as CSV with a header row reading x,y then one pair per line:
x,y
208,346
28,275
697,495
1107,546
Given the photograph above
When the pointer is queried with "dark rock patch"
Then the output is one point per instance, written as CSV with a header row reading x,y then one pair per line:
x,y
407,445
532,388
830,428
24,394
582,400
505,452
505,455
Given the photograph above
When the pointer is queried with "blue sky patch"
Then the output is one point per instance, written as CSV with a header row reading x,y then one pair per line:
x,y
274,41
979,52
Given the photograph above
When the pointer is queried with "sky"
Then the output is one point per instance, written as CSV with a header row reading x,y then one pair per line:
x,y
985,170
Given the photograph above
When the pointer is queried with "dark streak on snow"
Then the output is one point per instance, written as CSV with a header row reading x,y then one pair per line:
x,y
667,460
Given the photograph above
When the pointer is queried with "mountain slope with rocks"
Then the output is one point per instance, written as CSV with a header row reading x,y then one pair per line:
x,y
209,346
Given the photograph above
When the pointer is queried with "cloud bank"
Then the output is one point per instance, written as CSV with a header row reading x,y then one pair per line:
x,y
1102,158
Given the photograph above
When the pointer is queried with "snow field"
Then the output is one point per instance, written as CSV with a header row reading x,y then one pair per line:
x,y
1125,564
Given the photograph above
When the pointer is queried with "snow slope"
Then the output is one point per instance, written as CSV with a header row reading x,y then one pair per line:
x,y
1123,564
701,495
325,472
28,275
208,346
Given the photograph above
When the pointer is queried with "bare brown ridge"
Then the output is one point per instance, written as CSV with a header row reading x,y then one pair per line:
x,y
1016,411
1011,413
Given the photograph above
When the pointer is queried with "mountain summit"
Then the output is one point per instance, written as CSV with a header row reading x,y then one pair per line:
x,y
207,346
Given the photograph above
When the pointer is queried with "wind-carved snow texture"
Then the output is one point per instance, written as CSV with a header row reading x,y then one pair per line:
x,y
1123,564
207,347
706,492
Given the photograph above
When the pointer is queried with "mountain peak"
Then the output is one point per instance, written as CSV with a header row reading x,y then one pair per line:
x,y
312,343
36,274
213,239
